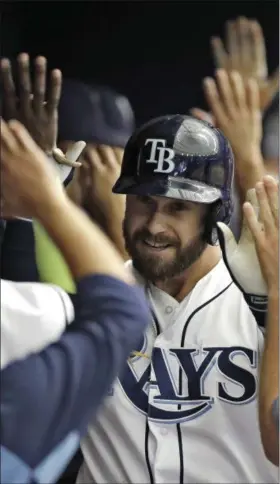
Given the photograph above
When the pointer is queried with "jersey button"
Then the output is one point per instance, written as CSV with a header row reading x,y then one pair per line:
x,y
168,310
163,431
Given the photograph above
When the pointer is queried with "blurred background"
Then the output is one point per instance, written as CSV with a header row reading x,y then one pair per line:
x,y
156,53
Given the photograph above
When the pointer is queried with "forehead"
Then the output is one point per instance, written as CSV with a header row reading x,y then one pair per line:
x,y
163,202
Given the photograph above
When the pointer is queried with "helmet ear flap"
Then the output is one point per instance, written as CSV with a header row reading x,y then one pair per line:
x,y
218,212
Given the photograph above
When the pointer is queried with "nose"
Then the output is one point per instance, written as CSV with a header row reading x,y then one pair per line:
x,y
156,223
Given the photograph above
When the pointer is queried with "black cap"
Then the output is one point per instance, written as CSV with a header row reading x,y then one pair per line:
x,y
94,114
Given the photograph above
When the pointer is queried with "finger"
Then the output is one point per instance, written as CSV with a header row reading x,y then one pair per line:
x,y
8,141
272,191
238,89
251,218
226,91
94,161
119,152
232,45
245,42
39,91
203,115
266,216
213,99
54,92
219,53
259,50
9,97
22,136
253,95
84,174
108,157
24,84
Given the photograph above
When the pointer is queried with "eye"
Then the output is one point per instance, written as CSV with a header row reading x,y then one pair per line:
x,y
179,207
144,199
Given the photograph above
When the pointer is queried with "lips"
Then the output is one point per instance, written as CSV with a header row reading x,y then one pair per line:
x,y
155,245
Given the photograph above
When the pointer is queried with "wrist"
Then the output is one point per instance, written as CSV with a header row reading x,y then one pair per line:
x,y
250,157
49,210
273,292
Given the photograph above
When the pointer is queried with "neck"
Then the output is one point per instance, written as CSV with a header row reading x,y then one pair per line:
x,y
180,286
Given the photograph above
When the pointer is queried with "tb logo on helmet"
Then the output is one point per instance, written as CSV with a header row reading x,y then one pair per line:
x,y
161,156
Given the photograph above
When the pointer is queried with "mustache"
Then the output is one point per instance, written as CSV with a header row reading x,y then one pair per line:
x,y
144,234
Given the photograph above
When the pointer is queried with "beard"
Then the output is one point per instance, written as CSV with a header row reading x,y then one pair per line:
x,y
155,267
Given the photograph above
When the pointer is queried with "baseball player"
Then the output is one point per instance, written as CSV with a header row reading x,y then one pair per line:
x,y
185,407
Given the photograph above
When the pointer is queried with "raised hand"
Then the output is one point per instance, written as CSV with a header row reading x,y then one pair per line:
x,y
244,51
32,108
265,230
203,115
103,165
235,105
28,182
36,107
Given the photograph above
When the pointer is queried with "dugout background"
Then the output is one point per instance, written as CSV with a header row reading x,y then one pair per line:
x,y
154,52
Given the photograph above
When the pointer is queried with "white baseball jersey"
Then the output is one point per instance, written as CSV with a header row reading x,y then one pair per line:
x,y
186,411
33,315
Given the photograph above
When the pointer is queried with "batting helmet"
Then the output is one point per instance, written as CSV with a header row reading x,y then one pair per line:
x,y
180,157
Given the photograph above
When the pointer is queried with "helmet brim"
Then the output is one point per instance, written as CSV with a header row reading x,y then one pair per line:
x,y
169,187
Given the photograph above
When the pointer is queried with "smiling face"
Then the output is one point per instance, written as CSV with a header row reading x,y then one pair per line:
x,y
163,235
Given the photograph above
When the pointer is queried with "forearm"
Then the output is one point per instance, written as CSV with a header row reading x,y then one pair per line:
x,y
110,219
269,378
115,234
62,387
249,172
85,248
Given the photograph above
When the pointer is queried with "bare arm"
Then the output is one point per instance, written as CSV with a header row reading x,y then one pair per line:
x,y
86,249
235,104
94,182
269,381
266,237
32,186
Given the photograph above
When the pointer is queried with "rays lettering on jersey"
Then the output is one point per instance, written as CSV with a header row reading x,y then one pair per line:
x,y
171,389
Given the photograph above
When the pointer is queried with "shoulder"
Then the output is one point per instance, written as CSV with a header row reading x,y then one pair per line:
x,y
33,315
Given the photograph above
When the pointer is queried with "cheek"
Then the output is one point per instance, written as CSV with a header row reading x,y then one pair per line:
x,y
134,218
132,223
188,229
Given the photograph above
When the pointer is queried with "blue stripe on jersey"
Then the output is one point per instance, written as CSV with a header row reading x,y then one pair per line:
x,y
49,470
13,469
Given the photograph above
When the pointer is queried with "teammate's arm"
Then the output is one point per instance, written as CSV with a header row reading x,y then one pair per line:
x,y
48,398
235,104
266,236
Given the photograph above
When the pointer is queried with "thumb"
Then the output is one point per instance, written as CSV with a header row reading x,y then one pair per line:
x,y
227,240
246,236
273,83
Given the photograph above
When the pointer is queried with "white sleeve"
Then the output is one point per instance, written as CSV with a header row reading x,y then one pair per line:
x,y
33,315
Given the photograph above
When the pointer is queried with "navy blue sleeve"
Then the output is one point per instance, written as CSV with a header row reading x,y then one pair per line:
x,y
50,394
